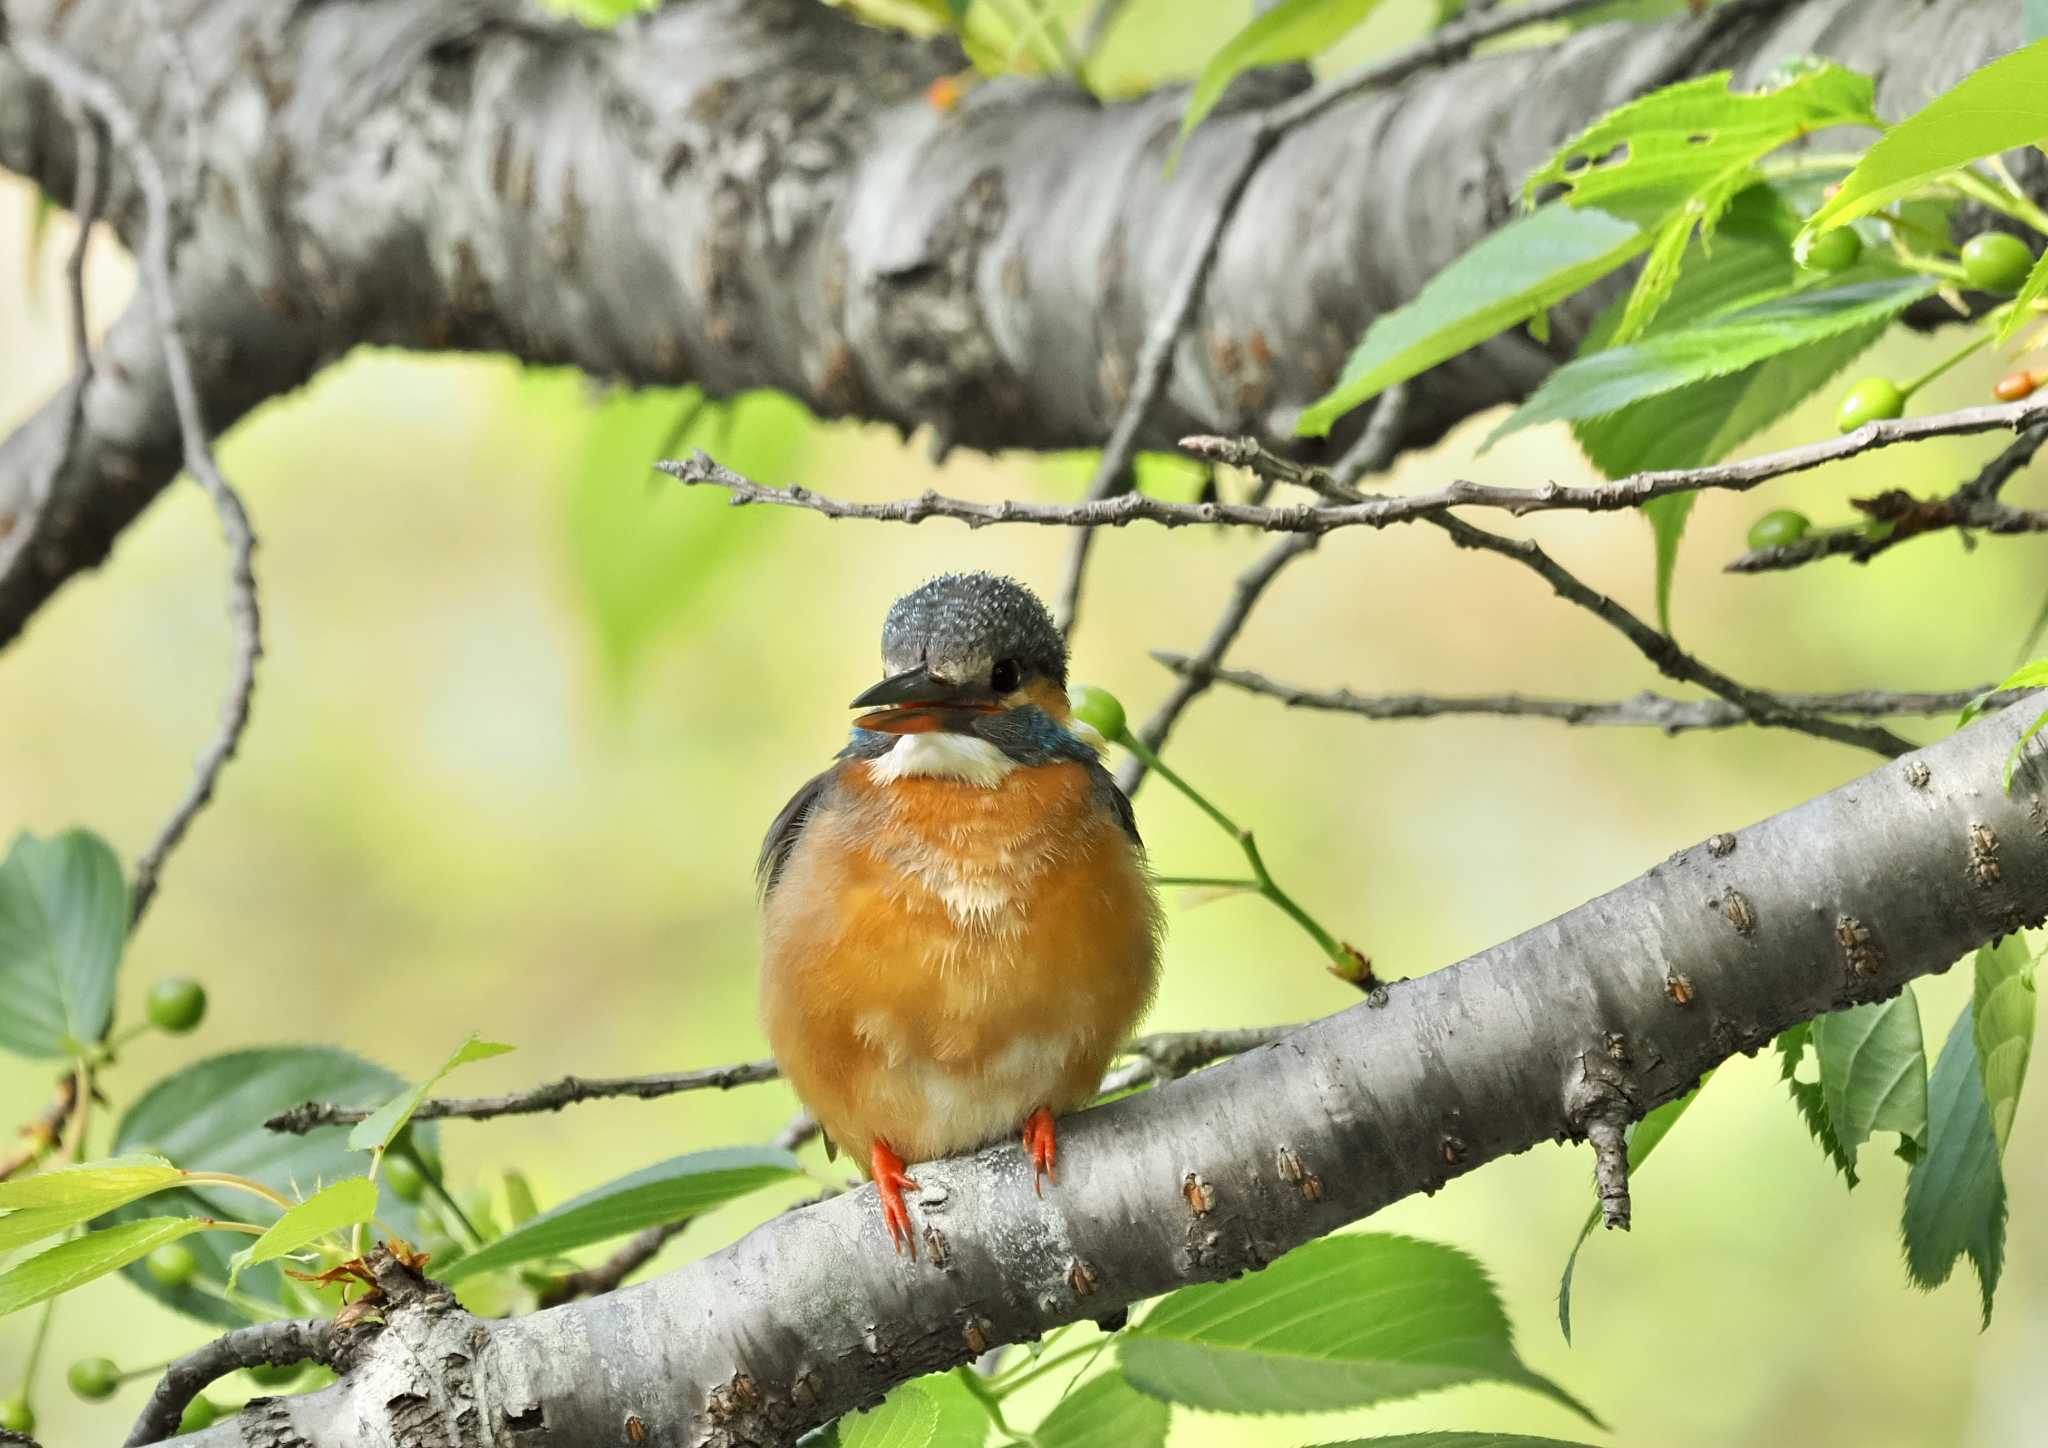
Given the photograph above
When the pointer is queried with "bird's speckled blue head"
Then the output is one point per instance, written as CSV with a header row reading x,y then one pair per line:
x,y
960,626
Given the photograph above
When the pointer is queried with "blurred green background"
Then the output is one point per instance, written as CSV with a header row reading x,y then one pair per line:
x,y
527,709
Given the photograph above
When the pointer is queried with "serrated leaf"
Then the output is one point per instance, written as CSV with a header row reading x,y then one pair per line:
x,y
1807,1096
63,924
1955,1192
1605,382
2026,302
907,1418
1337,1323
1105,1412
1519,270
1643,1137
1997,107
210,1116
80,1260
1290,30
1873,1071
2027,676
666,1192
963,1422
1457,1440
337,1205
47,1203
1667,517
1688,137
2019,747
2002,1015
375,1131
645,554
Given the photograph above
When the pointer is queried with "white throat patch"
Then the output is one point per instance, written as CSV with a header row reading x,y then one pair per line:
x,y
954,756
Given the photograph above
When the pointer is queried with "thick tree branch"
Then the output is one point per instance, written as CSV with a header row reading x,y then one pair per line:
x,y
810,1315
263,1344
748,193
1646,710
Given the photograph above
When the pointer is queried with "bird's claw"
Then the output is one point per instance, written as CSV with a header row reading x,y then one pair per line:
x,y
1042,1146
886,1167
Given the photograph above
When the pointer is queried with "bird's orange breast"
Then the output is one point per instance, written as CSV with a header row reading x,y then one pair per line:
x,y
943,957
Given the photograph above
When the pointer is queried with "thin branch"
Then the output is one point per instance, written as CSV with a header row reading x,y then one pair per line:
x,y
1760,706
1646,710
1373,452
1376,512
44,1130
271,1344
1898,516
88,92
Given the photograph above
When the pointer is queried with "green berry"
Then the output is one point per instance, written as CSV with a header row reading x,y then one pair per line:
x,y
404,1178
1996,262
1775,529
1099,709
94,1379
1869,400
172,1265
199,1413
176,1004
1834,251
17,1416
276,1375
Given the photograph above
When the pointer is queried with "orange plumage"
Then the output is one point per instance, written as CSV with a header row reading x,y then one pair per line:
x,y
947,952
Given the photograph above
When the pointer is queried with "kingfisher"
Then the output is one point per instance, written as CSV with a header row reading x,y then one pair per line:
x,y
958,928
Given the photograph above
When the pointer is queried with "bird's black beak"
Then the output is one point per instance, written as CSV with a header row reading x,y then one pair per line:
x,y
917,701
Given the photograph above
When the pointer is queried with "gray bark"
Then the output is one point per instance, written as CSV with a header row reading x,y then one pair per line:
x,y
755,193
1565,1029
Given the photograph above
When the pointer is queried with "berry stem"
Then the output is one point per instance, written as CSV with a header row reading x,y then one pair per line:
x,y
36,1344
1983,336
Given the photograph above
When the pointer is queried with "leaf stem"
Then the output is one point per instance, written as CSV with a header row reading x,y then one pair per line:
x,y
979,1389
433,1179
1984,335
1211,882
228,1179
1029,1372
36,1345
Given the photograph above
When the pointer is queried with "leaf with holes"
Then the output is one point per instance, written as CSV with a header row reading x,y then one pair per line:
x,y
1998,107
1290,30
63,924
1955,1193
1338,1323
1105,1412
1518,271
2002,1012
1643,1137
82,1259
1873,1071
666,1192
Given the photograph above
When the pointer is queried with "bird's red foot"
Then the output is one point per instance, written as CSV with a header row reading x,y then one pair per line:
x,y
886,1167
1042,1147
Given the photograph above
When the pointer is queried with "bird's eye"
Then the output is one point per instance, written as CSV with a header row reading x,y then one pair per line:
x,y
1005,676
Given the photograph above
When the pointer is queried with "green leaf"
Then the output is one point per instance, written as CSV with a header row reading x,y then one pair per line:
x,y
80,1260
1519,270
1808,1097
210,1116
644,553
2019,747
1457,1440
963,1422
1643,1137
666,1192
1873,1071
1955,1194
2027,676
907,1418
63,922
337,1205
1105,1412
47,1203
1998,107
2025,302
1667,517
1606,381
1290,30
2002,1013
1338,1323
375,1131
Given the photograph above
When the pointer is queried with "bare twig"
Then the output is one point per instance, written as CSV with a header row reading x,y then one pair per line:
x,y
44,1130
1662,650
272,1344
1900,516
1646,710
1378,512
88,92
